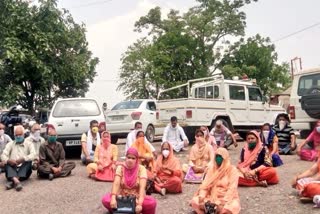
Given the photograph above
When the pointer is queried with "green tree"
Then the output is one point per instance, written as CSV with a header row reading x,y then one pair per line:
x,y
43,54
182,47
256,57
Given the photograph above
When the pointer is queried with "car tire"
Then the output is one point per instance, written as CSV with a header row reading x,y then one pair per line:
x,y
114,139
310,102
150,132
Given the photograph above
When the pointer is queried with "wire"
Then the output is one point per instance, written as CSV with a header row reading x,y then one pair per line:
x,y
296,32
91,4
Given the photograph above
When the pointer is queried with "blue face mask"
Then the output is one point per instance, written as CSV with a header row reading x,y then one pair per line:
x,y
19,139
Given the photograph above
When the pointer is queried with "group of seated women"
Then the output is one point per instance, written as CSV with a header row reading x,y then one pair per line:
x,y
209,164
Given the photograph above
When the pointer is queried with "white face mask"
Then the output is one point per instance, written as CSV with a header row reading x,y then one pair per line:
x,y
36,135
266,134
318,129
205,133
165,153
282,124
1,132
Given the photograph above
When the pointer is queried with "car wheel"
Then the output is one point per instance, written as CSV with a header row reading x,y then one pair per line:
x,y
114,139
150,132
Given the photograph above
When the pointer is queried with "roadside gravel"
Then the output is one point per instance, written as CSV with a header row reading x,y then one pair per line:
x,y
78,194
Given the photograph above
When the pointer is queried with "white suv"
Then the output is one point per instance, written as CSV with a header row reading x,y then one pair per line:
x,y
122,117
71,117
304,106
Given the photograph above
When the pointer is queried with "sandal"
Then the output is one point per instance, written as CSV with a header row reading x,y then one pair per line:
x,y
306,199
263,183
19,187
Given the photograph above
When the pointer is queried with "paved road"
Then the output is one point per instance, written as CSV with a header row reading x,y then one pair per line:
x,y
78,194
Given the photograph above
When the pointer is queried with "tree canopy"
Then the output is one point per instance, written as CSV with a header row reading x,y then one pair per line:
x,y
179,47
43,54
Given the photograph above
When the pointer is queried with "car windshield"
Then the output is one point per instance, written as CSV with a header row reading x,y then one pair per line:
x,y
127,105
76,108
307,83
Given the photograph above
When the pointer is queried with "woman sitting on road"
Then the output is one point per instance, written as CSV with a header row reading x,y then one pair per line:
x,y
220,186
270,140
130,179
255,164
209,138
308,182
168,173
313,140
145,153
201,154
105,158
223,136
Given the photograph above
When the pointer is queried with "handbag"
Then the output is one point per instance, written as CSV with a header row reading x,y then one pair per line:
x,y
126,204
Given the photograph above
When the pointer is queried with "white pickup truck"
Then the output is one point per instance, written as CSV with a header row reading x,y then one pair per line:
x,y
238,103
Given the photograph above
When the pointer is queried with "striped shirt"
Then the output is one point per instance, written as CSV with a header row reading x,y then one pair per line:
x,y
284,135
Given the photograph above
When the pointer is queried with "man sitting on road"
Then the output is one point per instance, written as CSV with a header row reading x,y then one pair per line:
x,y
18,156
223,135
173,133
89,142
36,140
52,158
4,139
131,138
285,134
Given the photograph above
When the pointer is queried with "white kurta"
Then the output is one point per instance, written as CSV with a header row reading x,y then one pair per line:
x,y
174,136
131,138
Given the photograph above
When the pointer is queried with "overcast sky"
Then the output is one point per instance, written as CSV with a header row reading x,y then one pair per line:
x,y
110,32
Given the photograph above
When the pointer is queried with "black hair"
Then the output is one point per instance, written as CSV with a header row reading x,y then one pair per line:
x,y
173,118
139,133
93,122
198,131
137,123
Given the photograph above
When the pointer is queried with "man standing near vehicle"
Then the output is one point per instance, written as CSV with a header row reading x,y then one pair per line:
x,y
285,134
89,141
36,140
173,134
131,138
52,158
4,139
18,156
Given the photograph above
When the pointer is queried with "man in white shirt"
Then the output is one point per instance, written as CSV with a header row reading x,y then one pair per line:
x,y
36,140
89,141
173,134
18,156
131,138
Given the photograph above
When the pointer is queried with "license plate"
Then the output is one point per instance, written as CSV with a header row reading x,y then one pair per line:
x,y
73,143
117,118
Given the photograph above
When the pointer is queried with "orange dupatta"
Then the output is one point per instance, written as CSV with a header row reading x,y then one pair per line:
x,y
171,162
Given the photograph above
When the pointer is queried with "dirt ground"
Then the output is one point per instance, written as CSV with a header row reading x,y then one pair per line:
x,y
78,194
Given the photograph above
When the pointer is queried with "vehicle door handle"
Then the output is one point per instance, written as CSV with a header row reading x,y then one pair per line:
x,y
152,113
75,121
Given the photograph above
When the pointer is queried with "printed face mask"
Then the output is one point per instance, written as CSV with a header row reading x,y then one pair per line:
x,y
95,130
165,153
219,160
252,145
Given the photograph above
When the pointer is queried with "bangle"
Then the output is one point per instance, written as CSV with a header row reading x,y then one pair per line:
x,y
115,194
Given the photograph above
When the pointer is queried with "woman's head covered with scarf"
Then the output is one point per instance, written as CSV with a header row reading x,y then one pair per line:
x,y
131,167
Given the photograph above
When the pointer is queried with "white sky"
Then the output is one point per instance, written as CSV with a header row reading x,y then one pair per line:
x,y
110,31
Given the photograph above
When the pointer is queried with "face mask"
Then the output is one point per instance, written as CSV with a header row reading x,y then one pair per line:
x,y
205,133
282,124
36,135
318,129
252,145
19,139
1,132
95,130
266,134
165,153
219,160
52,139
